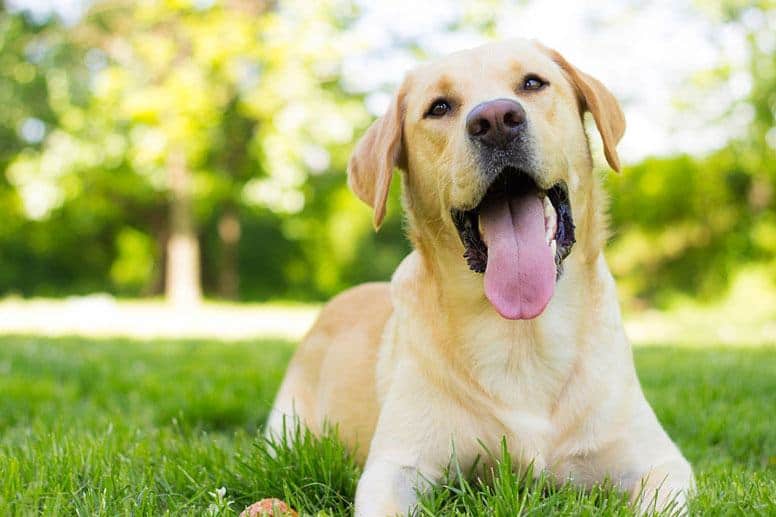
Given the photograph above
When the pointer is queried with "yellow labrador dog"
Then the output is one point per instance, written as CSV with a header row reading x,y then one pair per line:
x,y
504,320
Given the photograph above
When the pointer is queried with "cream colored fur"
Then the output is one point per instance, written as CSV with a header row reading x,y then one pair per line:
x,y
411,369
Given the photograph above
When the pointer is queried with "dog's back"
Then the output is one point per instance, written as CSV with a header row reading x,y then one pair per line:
x,y
332,375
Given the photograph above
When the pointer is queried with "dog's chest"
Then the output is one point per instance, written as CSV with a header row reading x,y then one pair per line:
x,y
522,370
521,365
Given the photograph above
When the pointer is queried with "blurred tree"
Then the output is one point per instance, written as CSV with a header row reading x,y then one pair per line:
x,y
172,72
26,112
202,109
34,55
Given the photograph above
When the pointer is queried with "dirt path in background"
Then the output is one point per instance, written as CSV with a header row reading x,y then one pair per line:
x,y
103,316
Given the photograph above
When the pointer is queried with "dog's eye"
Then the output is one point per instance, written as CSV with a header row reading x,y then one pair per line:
x,y
533,82
438,108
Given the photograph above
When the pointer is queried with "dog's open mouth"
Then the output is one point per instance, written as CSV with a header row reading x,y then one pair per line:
x,y
517,235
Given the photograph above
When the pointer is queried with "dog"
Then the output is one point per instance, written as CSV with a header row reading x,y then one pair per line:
x,y
503,322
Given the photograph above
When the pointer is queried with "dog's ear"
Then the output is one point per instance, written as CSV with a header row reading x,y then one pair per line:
x,y
376,154
599,101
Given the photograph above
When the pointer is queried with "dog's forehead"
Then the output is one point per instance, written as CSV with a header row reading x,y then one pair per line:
x,y
507,59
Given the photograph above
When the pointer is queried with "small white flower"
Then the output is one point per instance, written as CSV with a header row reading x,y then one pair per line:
x,y
220,505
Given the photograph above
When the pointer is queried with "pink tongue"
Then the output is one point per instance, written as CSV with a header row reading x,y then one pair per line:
x,y
520,275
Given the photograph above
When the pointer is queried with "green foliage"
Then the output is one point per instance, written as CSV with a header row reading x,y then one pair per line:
x,y
106,427
687,225
690,224
248,95
134,263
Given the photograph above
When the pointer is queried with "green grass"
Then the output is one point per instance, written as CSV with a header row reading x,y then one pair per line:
x,y
111,427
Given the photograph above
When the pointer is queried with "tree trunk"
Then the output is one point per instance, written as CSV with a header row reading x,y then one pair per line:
x,y
228,271
182,269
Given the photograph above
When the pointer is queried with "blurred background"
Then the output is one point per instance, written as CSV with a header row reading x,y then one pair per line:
x,y
178,167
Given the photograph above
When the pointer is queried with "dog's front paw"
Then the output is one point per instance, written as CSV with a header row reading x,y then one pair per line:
x,y
666,488
386,488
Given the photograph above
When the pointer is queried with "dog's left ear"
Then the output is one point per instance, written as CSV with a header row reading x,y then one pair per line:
x,y
380,150
599,101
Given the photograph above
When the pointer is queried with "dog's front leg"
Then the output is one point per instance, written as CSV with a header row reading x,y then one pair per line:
x,y
410,447
388,488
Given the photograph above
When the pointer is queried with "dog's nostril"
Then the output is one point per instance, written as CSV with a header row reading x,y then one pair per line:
x,y
511,119
479,127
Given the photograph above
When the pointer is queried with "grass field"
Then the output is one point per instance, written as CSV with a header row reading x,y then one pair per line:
x,y
112,427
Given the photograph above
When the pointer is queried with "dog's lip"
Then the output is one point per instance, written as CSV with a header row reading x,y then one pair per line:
x,y
466,219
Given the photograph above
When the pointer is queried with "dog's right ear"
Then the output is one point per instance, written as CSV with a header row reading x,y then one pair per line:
x,y
377,153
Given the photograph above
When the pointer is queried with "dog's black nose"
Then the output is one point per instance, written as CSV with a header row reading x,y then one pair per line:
x,y
495,123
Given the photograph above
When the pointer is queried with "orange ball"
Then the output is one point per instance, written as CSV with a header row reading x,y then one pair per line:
x,y
269,508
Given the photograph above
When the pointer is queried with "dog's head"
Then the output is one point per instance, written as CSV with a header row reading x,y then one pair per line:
x,y
497,164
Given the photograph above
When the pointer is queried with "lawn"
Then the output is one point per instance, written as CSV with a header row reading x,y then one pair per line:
x,y
114,427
